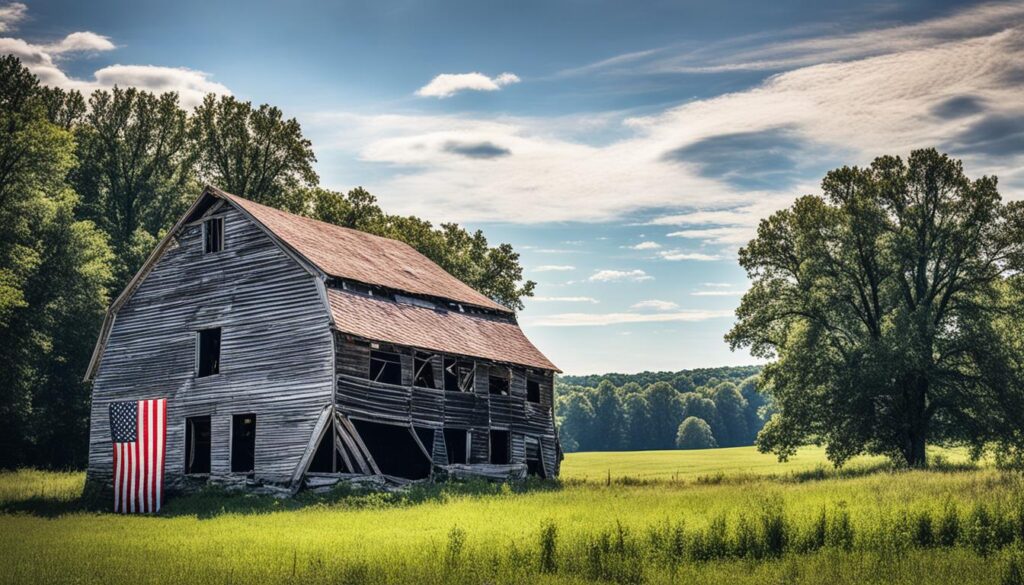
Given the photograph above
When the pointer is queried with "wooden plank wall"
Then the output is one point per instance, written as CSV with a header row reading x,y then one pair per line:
x,y
476,411
276,351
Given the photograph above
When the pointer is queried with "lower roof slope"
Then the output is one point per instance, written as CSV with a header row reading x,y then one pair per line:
x,y
464,334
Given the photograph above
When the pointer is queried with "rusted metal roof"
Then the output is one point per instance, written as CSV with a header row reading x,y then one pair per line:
x,y
359,256
492,338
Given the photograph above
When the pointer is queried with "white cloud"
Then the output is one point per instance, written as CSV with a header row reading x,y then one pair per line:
x,y
11,14
648,245
562,300
81,42
44,60
717,284
449,84
716,293
553,268
602,319
841,112
619,276
678,255
654,305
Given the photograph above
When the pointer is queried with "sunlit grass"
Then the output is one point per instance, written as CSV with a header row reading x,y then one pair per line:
x,y
622,532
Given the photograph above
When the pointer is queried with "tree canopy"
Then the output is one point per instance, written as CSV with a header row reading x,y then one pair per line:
x,y
886,304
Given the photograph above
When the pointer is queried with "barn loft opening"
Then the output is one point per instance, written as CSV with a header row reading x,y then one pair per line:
x,y
386,367
532,390
394,449
500,447
208,352
456,443
197,445
243,443
459,375
423,369
213,235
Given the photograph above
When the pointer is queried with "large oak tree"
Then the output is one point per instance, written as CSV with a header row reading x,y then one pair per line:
x,y
887,305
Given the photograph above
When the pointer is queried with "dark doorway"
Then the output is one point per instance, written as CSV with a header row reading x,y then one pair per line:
x,y
243,443
197,444
394,449
500,448
534,464
456,442
323,457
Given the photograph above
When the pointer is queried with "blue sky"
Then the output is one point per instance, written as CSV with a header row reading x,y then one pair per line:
x,y
626,149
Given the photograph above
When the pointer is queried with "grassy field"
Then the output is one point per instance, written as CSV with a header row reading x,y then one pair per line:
x,y
728,515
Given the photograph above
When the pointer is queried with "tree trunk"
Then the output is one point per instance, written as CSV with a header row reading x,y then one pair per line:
x,y
917,433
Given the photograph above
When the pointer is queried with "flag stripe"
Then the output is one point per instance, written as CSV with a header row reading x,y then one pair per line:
x,y
139,430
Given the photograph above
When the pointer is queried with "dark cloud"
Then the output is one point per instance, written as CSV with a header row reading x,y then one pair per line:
x,y
748,160
476,149
994,135
959,106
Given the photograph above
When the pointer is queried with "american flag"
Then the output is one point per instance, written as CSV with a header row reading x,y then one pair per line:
x,y
138,430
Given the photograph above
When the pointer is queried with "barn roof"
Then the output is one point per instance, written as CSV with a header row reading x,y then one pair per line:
x,y
467,334
348,254
359,256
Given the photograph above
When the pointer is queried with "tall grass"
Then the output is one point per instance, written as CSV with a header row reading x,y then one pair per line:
x,y
953,526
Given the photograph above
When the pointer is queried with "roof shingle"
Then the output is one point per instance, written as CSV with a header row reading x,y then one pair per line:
x,y
359,256
444,331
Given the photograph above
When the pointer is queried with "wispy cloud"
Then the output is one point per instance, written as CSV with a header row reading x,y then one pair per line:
x,y
448,84
554,268
619,276
648,245
679,255
46,61
716,293
603,319
11,15
562,300
690,161
654,305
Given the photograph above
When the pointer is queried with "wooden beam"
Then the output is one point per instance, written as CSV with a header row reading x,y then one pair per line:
x,y
359,440
314,441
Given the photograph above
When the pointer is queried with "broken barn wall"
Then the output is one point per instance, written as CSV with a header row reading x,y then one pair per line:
x,y
477,411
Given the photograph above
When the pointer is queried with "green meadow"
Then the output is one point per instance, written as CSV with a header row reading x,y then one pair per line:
x,y
725,515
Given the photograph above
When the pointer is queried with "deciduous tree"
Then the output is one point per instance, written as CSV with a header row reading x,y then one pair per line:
x,y
878,302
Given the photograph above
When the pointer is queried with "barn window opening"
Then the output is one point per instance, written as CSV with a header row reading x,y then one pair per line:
x,y
499,382
500,447
534,465
197,445
459,375
213,235
423,366
386,367
532,390
243,443
208,352
394,449
456,443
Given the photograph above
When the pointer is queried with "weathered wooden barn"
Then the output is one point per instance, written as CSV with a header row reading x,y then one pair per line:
x,y
294,352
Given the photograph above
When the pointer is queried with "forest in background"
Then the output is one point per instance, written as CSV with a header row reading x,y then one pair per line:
x,y
688,409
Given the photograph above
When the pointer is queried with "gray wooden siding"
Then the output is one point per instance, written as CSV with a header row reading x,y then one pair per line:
x,y
276,351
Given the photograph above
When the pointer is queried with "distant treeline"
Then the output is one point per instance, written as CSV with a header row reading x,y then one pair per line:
x,y
689,409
